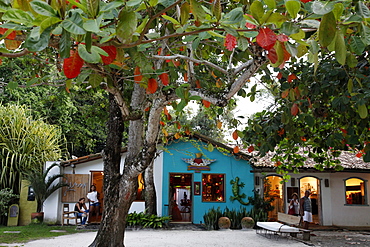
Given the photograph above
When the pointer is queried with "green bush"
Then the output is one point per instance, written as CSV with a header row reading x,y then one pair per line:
x,y
6,196
142,220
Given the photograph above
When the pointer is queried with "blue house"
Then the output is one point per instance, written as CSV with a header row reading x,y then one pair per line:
x,y
200,174
191,176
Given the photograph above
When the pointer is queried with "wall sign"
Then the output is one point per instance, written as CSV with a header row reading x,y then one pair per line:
x,y
198,164
77,187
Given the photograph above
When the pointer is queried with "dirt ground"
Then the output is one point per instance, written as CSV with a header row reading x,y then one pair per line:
x,y
340,238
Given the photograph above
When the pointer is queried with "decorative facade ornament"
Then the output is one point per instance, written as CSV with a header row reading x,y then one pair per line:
x,y
198,164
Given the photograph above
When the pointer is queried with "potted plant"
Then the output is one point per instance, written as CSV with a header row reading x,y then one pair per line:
x,y
43,186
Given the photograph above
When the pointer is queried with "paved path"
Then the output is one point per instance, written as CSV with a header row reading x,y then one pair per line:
x,y
173,238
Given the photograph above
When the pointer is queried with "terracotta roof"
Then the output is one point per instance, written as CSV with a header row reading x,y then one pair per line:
x,y
200,137
347,159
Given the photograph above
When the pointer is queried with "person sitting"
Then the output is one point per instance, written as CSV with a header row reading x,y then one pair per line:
x,y
82,210
94,207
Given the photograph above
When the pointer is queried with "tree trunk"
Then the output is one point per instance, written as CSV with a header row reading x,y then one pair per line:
x,y
113,214
150,194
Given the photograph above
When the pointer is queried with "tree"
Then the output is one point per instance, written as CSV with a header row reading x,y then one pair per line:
x,y
80,114
26,145
323,112
149,54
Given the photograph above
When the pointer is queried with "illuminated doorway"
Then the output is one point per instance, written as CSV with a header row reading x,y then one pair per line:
x,y
312,184
273,191
180,207
97,179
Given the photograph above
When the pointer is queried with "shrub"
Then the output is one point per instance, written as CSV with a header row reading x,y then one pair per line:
x,y
146,221
6,197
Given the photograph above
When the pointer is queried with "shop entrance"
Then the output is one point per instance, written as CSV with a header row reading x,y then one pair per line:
x,y
312,184
273,191
180,197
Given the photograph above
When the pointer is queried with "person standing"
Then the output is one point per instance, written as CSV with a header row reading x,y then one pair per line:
x,y
306,209
81,209
294,205
94,207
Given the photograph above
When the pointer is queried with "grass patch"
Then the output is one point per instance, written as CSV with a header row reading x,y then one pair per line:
x,y
32,232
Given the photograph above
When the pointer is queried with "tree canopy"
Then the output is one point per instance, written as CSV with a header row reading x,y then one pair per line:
x,y
151,54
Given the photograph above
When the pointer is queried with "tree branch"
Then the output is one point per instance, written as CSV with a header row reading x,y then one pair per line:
x,y
16,54
192,60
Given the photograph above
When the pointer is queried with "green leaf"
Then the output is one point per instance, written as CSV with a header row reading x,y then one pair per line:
x,y
257,10
356,45
234,16
322,8
95,79
277,19
18,16
338,10
65,44
366,157
271,4
293,7
197,10
362,111
91,25
94,56
210,147
289,28
184,13
126,26
74,23
340,48
213,33
49,22
180,92
133,3
79,5
115,5
42,8
35,41
362,10
351,60
181,105
350,85
169,18
92,7
365,34
327,29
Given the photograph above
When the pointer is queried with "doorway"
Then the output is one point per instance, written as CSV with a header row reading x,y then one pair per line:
x,y
180,197
312,184
273,191
97,179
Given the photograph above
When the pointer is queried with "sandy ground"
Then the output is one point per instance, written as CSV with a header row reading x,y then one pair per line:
x,y
190,238
180,238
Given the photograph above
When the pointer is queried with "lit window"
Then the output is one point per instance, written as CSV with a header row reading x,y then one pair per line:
x,y
213,188
355,191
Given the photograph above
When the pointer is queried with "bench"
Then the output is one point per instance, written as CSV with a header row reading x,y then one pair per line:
x,y
287,225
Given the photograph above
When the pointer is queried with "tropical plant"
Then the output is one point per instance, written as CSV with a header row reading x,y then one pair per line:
x,y
25,144
261,206
152,54
44,185
146,221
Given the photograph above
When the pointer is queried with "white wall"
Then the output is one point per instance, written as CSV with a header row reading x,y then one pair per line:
x,y
334,211
348,215
53,205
